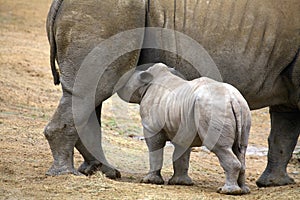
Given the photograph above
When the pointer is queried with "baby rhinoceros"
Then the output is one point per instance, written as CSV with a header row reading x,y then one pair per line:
x,y
191,113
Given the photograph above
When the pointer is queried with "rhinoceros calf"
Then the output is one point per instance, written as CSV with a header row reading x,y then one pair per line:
x,y
191,113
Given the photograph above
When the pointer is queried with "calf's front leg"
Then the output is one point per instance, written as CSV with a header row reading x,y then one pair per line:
x,y
156,143
181,160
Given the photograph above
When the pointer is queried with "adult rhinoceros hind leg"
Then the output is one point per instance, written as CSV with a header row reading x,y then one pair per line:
x,y
90,164
285,129
62,137
62,145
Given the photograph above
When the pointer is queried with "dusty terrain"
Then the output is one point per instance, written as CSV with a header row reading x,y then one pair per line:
x,y
28,99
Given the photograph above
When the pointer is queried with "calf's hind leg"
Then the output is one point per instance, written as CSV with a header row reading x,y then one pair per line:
x,y
232,167
240,153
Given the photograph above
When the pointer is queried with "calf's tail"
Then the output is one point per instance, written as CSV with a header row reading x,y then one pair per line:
x,y
50,33
243,123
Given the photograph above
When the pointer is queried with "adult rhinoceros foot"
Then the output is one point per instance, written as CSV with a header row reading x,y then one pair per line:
x,y
89,168
180,180
94,166
110,172
285,128
61,170
269,179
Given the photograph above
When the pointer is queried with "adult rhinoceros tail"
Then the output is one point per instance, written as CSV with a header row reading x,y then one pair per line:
x,y
54,70
50,33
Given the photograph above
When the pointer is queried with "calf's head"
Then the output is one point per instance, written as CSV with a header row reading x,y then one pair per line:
x,y
138,83
135,87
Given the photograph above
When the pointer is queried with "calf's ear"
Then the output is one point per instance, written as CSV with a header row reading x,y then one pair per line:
x,y
177,73
145,77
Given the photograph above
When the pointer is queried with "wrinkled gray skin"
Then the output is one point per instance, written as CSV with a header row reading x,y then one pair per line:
x,y
191,113
255,45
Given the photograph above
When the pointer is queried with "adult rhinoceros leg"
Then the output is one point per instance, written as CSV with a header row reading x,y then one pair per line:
x,y
285,129
75,122
62,136
91,164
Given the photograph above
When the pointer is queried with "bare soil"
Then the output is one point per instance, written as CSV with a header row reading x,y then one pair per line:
x,y
28,99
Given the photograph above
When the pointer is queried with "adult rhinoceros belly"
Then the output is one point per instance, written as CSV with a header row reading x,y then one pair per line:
x,y
251,42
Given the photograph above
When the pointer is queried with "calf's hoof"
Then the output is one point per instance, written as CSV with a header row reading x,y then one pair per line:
x,y
180,180
269,180
232,189
153,178
245,189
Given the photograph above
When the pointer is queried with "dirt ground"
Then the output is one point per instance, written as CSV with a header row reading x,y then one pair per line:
x,y
28,99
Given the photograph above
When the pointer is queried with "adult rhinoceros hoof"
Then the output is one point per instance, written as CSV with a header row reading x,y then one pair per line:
x,y
110,172
230,189
89,168
180,180
269,180
54,171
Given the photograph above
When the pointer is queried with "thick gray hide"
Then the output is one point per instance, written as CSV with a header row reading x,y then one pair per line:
x,y
254,44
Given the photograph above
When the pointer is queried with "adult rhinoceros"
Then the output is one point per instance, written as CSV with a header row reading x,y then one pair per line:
x,y
255,45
